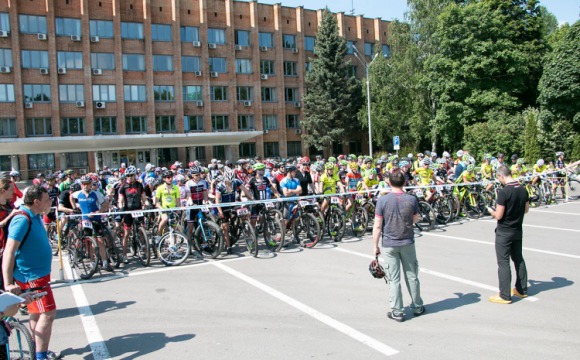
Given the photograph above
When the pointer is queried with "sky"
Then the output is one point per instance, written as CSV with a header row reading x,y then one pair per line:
x,y
565,10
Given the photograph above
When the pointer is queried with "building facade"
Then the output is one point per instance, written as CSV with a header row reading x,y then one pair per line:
x,y
102,68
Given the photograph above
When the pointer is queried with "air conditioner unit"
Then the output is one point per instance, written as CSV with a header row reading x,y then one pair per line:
x,y
42,36
95,39
199,103
297,104
295,51
80,104
212,46
266,131
213,74
3,33
239,47
43,71
100,105
28,105
61,70
196,44
5,69
247,103
298,131
263,48
264,77
97,72
75,38
198,73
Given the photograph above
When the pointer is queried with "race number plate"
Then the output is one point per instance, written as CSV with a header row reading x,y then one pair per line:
x,y
269,205
242,212
304,203
183,203
137,214
334,200
87,224
419,193
204,209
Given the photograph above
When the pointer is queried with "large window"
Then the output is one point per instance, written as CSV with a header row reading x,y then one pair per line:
x,y
269,94
291,95
106,125
289,41
4,21
190,63
30,24
8,127
244,93
219,93
38,127
219,152
163,93
271,149
104,93
192,93
72,126
243,66
6,57
130,30
162,63
270,122
200,152
351,71
294,148
67,26
220,123
101,28
136,93
165,124
309,43
350,47
7,93
5,163
71,93
34,59
193,123
267,67
160,32
36,92
133,62
70,59
189,33
386,50
293,121
246,122
77,159
242,37
218,64
368,49
290,68
216,36
41,162
266,39
247,150
136,124
103,61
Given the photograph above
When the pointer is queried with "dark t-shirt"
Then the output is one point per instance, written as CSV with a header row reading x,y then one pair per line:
x,y
64,199
514,197
132,193
397,210
305,179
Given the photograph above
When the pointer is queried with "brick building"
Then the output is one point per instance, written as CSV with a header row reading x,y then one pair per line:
x,y
87,83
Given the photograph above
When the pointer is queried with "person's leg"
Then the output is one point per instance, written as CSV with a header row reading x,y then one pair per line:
x,y
502,252
41,328
411,272
392,265
521,284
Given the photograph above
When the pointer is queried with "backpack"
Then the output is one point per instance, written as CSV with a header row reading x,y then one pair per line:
x,y
4,231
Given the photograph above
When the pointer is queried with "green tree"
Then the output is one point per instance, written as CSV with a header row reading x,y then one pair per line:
x,y
532,150
502,132
332,100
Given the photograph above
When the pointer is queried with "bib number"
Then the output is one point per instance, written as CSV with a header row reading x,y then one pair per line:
x,y
303,203
419,193
204,209
87,224
334,200
137,214
242,212
269,205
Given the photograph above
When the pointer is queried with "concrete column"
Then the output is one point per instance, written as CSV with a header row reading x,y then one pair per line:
x,y
63,161
14,163
191,150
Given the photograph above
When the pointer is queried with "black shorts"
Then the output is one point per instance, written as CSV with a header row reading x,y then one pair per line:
x,y
255,210
127,220
98,229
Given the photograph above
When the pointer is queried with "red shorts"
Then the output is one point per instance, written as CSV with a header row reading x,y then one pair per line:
x,y
45,303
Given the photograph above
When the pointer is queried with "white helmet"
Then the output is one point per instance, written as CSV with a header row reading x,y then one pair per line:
x,y
446,154
460,153
540,162
410,156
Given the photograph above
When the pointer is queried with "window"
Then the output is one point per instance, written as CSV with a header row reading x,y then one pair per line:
x,y
307,66
192,93
38,127
190,63
219,152
104,93
242,37
163,93
270,122
218,93
36,92
162,63
293,121
220,122
267,67
7,93
130,30
290,68
218,65
351,71
243,66
309,43
34,59
368,49
71,93
5,163
246,122
72,126
193,123
133,62
160,32
271,149
67,26
41,161
216,36
247,150
244,93
135,93
165,124
4,21
30,24
8,127
289,41
136,124
166,156
101,28
266,39
294,148
386,50
269,94
189,33
200,153
104,61
77,159
291,94
106,125
70,59
6,57
350,47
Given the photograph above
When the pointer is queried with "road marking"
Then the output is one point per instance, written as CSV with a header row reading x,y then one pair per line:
x,y
491,243
537,226
325,319
95,338
442,275
555,212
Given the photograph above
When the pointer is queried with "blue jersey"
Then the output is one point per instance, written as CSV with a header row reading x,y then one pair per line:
x,y
89,203
229,197
290,184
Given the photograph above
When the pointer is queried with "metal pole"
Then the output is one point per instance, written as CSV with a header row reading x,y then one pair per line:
x,y
369,111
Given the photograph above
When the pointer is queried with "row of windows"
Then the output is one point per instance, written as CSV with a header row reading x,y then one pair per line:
x,y
107,125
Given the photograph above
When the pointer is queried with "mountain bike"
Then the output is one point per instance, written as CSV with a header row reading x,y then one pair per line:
x,y
357,215
20,343
173,247
138,240
335,219
207,238
241,227
305,227
269,225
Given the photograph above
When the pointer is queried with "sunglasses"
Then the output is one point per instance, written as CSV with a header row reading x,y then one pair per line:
x,y
168,177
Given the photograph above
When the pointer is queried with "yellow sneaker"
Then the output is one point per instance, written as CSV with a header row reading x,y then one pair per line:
x,y
498,300
515,292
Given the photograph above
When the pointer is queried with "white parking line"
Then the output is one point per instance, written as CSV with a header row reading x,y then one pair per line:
x,y
537,226
554,212
325,319
441,275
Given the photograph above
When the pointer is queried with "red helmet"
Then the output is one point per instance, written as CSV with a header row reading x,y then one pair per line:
x,y
341,157
376,269
305,160
191,164
173,167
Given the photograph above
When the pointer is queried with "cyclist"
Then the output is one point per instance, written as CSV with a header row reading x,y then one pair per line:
x,y
241,172
539,168
131,197
290,189
352,179
369,180
261,189
560,168
198,188
166,197
53,193
486,171
441,172
519,169
303,175
426,175
466,177
328,184
69,179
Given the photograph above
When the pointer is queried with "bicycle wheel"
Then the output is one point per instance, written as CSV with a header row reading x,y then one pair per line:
x,y
534,195
472,203
141,243
336,224
272,230
20,344
86,256
173,248
443,210
307,230
426,216
359,221
113,251
573,189
249,236
208,239
52,237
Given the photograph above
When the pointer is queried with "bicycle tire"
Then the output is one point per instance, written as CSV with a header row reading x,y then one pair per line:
x,y
209,243
141,243
272,230
472,207
336,224
426,216
20,343
86,260
534,196
306,230
573,189
113,251
176,254
443,210
359,221
52,237
249,235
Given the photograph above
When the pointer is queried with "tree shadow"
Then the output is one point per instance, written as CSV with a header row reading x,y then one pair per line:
x,y
98,308
452,303
537,286
131,346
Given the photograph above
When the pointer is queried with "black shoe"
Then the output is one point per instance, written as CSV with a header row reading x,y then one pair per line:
x,y
419,311
396,316
229,251
108,267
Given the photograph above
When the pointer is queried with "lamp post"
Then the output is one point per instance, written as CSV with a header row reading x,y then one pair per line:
x,y
367,65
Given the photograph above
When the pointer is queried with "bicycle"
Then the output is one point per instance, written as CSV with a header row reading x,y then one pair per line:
x,y
84,249
139,241
240,226
358,216
173,247
302,222
269,225
207,238
427,216
335,220
20,342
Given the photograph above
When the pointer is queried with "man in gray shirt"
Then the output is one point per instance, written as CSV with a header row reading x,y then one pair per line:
x,y
395,215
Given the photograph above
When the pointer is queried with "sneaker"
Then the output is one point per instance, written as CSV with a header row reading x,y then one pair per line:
x,y
124,259
419,312
499,300
157,239
50,355
108,266
272,243
398,317
515,292
229,251
23,310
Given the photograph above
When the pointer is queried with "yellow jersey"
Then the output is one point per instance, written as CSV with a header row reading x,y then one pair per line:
x,y
425,175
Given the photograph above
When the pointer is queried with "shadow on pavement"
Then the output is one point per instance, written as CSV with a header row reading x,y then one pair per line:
x,y
98,308
537,286
452,303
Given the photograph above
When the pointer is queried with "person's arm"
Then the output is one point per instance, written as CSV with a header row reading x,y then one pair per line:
x,y
8,259
247,192
377,228
218,200
500,211
121,200
297,191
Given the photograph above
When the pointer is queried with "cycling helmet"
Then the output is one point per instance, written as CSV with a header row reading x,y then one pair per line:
x,y
242,161
394,161
61,176
352,157
69,172
228,174
113,180
459,153
403,163
150,180
446,154
214,161
332,159
75,187
149,167
158,169
131,170
15,173
441,161
540,162
559,153
368,160
426,161
167,173
290,168
220,166
195,170
340,157
353,166
318,168
376,269
343,163
487,157
372,172
219,178
427,153
420,155
410,155
514,156
305,160
258,166
190,164
521,161
173,167
228,163
179,178
470,167
86,179
36,181
50,177
329,165
39,175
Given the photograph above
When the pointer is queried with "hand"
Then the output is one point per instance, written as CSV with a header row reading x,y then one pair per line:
x,y
13,288
376,251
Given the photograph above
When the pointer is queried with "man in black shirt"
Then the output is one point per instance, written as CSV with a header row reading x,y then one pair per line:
x,y
303,175
131,197
512,204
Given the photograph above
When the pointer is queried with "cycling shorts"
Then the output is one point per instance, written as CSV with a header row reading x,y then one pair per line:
x,y
45,303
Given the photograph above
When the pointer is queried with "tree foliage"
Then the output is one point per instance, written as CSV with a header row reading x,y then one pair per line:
x,y
532,150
